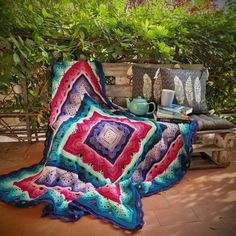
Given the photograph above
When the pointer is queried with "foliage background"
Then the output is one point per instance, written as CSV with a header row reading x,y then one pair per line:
x,y
35,33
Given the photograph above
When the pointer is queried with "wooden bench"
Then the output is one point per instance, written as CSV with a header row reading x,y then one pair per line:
x,y
213,145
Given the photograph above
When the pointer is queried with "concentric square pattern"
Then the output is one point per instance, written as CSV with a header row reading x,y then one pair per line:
x,y
108,138
109,144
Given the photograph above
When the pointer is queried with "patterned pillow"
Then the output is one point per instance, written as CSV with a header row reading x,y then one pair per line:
x,y
103,146
71,81
146,82
189,86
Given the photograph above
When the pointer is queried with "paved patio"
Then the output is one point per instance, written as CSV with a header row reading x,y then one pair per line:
x,y
202,204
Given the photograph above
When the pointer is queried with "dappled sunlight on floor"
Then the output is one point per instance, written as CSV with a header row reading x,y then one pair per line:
x,y
203,203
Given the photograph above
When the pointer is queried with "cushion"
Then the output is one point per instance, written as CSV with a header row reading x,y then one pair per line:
x,y
212,122
146,82
189,86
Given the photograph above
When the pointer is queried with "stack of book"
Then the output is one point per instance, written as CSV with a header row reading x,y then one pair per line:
x,y
174,113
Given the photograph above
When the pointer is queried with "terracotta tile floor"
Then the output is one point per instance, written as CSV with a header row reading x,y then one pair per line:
x,y
203,203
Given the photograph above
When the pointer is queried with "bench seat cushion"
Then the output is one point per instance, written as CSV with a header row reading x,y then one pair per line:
x,y
212,122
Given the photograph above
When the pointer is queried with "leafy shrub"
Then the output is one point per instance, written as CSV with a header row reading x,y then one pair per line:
x,y
36,33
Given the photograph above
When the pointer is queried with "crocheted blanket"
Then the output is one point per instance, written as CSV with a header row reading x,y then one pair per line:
x,y
98,158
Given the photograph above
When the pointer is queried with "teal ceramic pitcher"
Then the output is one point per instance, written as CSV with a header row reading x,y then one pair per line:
x,y
139,106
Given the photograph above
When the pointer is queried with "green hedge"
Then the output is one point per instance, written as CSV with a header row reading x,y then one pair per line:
x,y
36,33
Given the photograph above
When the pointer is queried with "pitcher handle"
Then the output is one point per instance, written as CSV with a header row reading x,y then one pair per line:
x,y
154,107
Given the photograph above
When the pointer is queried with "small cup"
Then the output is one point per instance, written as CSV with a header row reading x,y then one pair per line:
x,y
167,97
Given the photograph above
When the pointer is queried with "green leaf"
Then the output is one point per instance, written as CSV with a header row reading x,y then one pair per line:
x,y
39,20
150,34
29,43
114,55
37,38
161,31
163,47
30,7
82,35
3,80
46,14
16,58
15,42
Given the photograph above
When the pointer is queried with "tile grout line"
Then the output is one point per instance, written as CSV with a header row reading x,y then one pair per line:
x,y
194,212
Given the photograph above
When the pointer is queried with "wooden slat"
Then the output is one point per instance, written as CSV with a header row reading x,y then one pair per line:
x,y
206,148
116,69
182,66
215,131
17,114
25,138
120,69
3,131
120,101
122,80
27,118
199,163
119,91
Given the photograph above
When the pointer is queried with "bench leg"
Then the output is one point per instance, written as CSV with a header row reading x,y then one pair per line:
x,y
221,158
225,141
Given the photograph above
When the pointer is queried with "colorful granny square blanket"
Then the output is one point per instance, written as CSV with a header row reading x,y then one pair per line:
x,y
98,158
